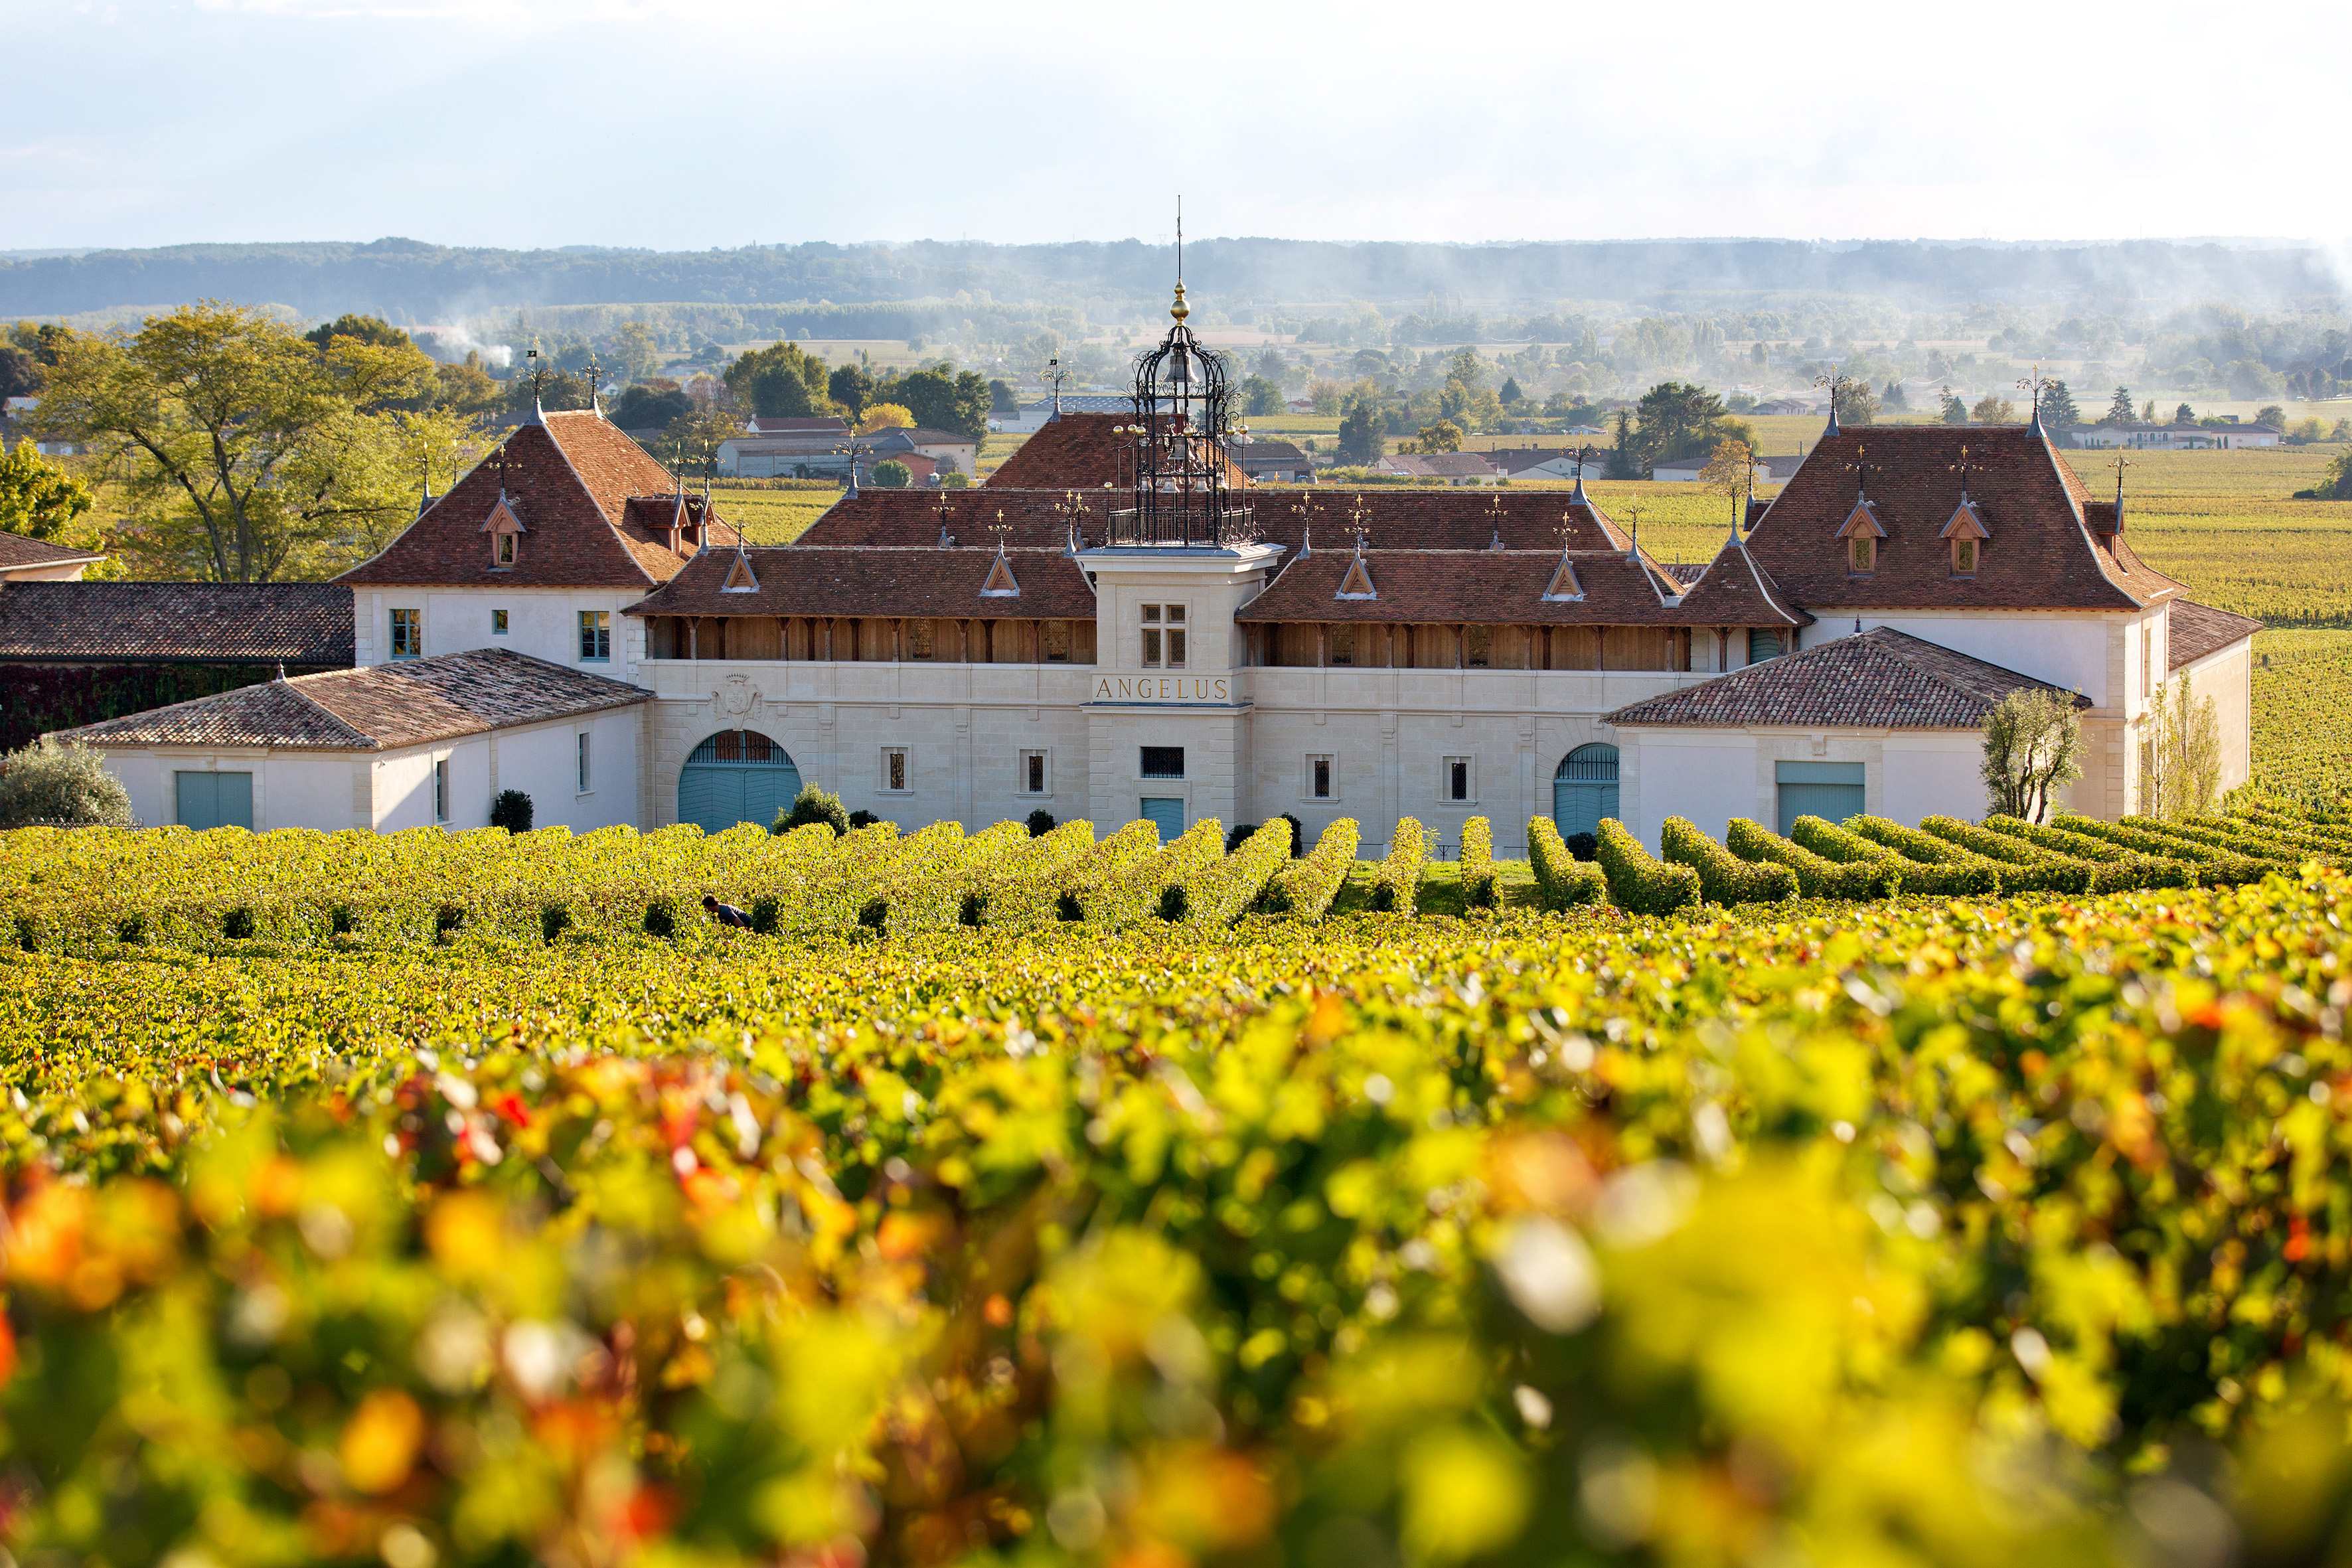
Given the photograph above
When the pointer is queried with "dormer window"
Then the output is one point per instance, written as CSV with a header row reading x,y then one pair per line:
x,y
1861,532
1862,554
1967,534
505,530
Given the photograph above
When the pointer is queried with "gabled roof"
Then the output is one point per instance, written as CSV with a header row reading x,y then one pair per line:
x,y
18,553
381,707
1966,523
2043,556
221,623
2198,630
918,581
572,479
1878,679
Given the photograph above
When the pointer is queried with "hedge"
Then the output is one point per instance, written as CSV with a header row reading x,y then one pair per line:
x,y
1818,876
1724,876
1396,881
1639,883
1479,891
2215,867
1564,880
1831,842
2024,867
1307,888
1221,890
1946,869
2115,868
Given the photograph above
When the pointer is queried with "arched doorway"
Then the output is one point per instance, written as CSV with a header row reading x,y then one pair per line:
x,y
1584,789
736,775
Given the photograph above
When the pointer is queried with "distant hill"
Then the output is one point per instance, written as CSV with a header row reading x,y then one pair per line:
x,y
409,280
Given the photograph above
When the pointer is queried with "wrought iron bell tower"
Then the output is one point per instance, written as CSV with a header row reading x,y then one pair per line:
x,y
1183,493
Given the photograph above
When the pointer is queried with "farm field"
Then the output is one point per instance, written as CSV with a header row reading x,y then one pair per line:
x,y
772,516
1885,1226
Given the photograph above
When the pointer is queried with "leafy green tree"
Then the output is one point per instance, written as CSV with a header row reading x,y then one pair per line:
x,y
890,474
1511,394
1856,403
2184,414
37,498
556,392
20,372
634,352
2272,414
1442,437
1992,408
466,388
2180,761
782,381
1626,459
248,453
1361,434
2119,407
1891,397
650,405
850,387
1260,397
885,416
2148,411
1001,399
2033,747
1955,412
942,398
696,435
371,329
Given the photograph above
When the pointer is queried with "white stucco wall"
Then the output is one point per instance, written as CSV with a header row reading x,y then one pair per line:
x,y
2227,678
1713,775
2074,651
541,621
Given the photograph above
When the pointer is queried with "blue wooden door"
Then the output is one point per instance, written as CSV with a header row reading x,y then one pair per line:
x,y
1167,813
737,775
1584,789
204,800
1828,790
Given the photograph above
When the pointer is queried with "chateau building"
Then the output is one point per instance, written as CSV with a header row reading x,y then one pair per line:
x,y
1118,624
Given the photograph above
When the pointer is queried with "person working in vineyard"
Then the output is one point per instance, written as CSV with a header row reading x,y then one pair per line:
x,y
725,914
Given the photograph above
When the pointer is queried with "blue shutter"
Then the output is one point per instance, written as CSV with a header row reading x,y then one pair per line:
x,y
1833,790
214,800
1166,813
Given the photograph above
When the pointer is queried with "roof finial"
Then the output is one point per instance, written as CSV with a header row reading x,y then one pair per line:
x,y
596,384
538,374
1576,496
2121,463
1961,468
1495,516
1179,309
1633,545
1002,529
1304,511
1360,523
2034,385
1735,514
1860,467
1835,383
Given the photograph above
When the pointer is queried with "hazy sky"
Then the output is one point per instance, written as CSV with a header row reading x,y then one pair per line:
x,y
720,122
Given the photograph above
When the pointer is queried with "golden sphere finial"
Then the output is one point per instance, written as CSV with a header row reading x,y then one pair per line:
x,y
1179,309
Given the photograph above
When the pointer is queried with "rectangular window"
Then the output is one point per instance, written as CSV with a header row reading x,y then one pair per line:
x,y
506,549
595,637
894,769
1057,642
498,623
580,757
1318,778
1762,645
1163,761
407,634
1964,557
1862,553
1163,636
441,789
1456,779
1033,772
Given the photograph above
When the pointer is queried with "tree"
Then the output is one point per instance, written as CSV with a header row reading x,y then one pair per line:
x,y
1360,434
695,435
635,352
2119,407
2272,414
1511,394
1625,458
1730,468
2337,485
248,454
1992,408
511,810
51,782
2148,411
779,381
1002,400
20,372
813,804
466,388
1856,403
650,406
371,330
1955,412
2184,414
941,398
887,416
1442,437
2033,746
37,498
890,474
2180,761
1260,397
850,387
2058,411
1891,397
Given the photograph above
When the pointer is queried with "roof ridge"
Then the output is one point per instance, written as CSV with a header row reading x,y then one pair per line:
x,y
611,524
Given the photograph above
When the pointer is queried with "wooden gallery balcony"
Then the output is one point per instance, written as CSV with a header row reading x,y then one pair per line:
x,y
1361,645
871,640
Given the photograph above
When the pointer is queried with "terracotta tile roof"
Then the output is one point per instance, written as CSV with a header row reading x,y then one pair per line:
x,y
1078,450
1734,591
1396,518
876,580
1475,586
253,623
571,479
1878,679
2041,555
380,708
2200,629
16,552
